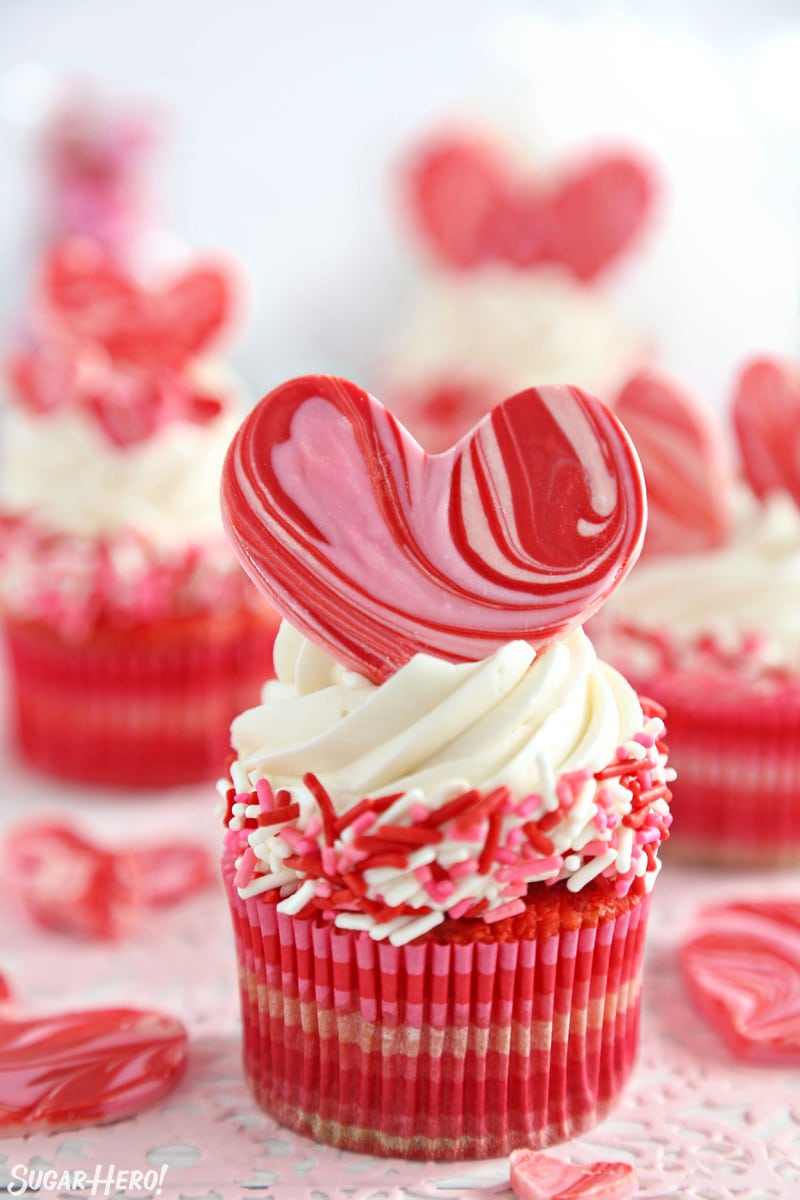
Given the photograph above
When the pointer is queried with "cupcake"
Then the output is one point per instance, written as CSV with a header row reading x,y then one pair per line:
x,y
707,623
132,636
443,820
509,288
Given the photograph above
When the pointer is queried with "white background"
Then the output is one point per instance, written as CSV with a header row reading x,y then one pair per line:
x,y
285,123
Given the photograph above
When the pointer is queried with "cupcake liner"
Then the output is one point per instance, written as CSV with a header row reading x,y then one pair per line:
x,y
146,706
443,1049
736,752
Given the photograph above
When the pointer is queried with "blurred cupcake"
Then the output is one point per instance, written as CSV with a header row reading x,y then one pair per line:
x,y
708,622
441,841
132,635
510,292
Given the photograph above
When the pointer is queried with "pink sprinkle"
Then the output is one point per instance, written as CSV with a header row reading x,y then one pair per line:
x,y
621,753
622,886
537,867
362,823
423,874
515,836
644,739
468,867
306,846
593,848
601,820
515,889
471,833
314,827
529,805
502,855
292,836
418,812
564,790
264,795
324,889
504,910
244,872
459,909
440,890
242,798
329,860
507,806
648,835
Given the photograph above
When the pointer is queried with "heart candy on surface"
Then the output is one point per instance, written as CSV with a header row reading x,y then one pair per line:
x,y
72,885
86,1068
741,964
766,417
689,502
376,550
542,1177
474,205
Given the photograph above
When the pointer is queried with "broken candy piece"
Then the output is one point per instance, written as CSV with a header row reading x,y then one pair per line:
x,y
543,1177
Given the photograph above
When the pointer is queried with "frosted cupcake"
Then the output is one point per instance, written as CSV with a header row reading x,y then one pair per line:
x,y
708,623
132,636
509,291
443,820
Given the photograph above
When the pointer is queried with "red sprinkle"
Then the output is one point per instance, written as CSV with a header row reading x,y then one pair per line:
x,y
537,838
414,835
453,808
487,854
327,811
281,815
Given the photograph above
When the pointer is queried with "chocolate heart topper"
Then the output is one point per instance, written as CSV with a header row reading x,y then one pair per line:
x,y
689,482
474,204
377,551
689,487
104,344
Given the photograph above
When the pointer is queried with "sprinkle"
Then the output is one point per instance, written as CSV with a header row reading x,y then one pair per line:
x,y
524,870
453,808
511,909
264,795
244,871
490,845
537,838
280,815
458,910
415,928
325,805
412,836
418,812
590,870
299,899
468,866
266,883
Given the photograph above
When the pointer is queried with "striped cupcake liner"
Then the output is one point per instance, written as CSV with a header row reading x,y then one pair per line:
x,y
736,798
436,1050
144,707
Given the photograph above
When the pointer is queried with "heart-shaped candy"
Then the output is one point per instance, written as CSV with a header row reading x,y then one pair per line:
x,y
474,205
742,966
86,1068
376,550
89,297
689,502
543,1177
72,885
766,416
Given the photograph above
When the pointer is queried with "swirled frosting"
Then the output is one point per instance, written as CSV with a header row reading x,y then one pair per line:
x,y
496,330
87,527
735,607
446,790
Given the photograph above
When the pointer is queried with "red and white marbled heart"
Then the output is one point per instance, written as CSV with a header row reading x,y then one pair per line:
x,y
689,488
474,204
543,1177
742,967
86,1068
766,416
376,550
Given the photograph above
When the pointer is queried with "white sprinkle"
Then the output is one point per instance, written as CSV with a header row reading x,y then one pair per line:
x,y
239,777
624,847
239,809
415,927
547,781
348,920
379,932
252,810
572,862
266,883
299,899
589,870
402,891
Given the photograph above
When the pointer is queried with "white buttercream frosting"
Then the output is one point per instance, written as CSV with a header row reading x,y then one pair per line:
x,y
512,329
739,601
529,730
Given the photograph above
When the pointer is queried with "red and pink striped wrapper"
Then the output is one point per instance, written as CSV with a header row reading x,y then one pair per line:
x,y
145,706
438,1049
736,751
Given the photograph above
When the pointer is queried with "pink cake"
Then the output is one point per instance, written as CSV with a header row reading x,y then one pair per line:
x,y
708,622
443,820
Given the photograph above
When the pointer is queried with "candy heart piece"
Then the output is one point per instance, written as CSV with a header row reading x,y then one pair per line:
x,y
474,205
87,293
378,551
742,966
689,502
766,416
542,1177
86,1068
69,884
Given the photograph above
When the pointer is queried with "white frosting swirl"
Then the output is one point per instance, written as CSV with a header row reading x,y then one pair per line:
x,y
512,329
530,730
739,601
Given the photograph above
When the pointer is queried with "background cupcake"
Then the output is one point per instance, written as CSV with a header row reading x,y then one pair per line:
x,y
509,291
708,622
440,843
132,635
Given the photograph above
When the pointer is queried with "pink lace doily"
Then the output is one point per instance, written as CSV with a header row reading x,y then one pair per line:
x,y
693,1122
